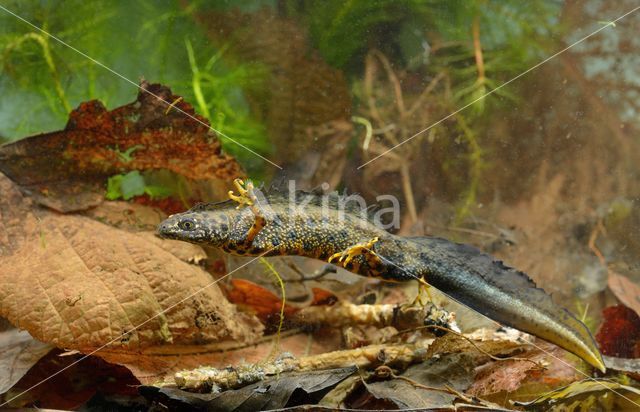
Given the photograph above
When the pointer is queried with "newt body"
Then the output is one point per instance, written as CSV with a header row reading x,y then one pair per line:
x,y
317,228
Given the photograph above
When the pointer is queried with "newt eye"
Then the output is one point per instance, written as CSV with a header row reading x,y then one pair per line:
x,y
187,224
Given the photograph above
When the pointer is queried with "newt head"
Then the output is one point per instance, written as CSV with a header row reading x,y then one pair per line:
x,y
197,226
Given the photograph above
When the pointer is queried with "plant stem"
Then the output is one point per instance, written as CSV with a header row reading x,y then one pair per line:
x,y
475,169
477,48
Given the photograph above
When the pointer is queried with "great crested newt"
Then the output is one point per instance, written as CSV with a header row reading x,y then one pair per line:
x,y
315,226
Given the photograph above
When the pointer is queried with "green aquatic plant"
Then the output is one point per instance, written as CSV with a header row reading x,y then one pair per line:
x,y
218,97
128,154
128,185
341,29
44,80
476,46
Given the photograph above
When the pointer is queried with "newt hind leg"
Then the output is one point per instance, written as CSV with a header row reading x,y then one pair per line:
x,y
247,197
423,289
365,249
376,266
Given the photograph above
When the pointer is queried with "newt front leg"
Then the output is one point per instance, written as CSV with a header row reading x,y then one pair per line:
x,y
247,197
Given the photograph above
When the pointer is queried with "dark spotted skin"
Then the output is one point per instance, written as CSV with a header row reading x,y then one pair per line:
x,y
309,233
467,275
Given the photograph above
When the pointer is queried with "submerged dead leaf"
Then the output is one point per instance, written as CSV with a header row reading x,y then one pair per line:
x,y
80,284
18,352
453,370
68,388
67,170
619,334
287,389
510,375
126,215
256,299
625,290
588,395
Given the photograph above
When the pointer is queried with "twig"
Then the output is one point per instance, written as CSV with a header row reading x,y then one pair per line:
x,y
400,317
369,76
213,379
318,274
592,243
475,345
394,81
408,191
384,371
427,91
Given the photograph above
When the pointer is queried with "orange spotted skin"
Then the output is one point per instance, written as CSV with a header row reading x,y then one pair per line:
x,y
319,229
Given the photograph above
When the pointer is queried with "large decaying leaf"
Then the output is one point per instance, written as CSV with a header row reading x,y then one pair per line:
x,y
66,170
79,284
288,389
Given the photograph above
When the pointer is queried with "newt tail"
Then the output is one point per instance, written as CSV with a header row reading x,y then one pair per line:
x,y
325,227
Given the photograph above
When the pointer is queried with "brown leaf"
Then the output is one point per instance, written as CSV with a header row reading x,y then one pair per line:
x,y
287,389
264,303
619,334
126,215
67,170
588,395
78,284
501,376
15,214
70,388
453,370
625,290
18,352
510,375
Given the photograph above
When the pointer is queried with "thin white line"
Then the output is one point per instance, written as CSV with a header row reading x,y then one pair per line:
x,y
530,343
137,85
135,328
612,23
